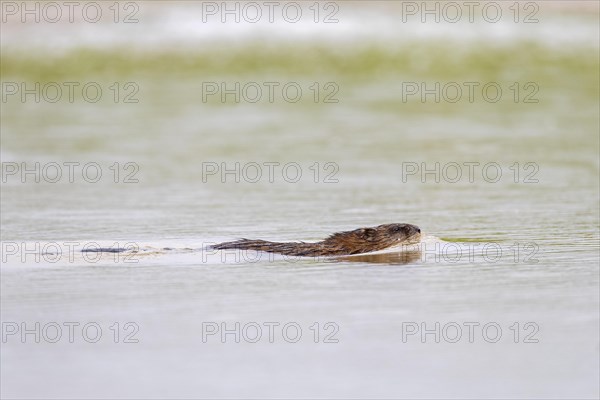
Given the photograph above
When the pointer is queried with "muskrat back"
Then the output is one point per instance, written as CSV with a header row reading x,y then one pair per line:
x,y
361,240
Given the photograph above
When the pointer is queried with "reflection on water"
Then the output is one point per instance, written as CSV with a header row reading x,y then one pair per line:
x,y
403,257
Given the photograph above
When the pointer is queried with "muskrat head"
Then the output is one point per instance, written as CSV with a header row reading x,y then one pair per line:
x,y
380,237
401,233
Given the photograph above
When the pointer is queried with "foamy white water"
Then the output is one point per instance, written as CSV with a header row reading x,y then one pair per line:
x,y
186,25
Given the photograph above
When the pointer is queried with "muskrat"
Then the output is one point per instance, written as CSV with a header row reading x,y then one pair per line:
x,y
362,240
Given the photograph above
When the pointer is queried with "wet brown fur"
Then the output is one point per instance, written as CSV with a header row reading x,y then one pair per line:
x,y
358,241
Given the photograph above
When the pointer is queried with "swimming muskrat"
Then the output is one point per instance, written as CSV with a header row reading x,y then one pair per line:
x,y
362,240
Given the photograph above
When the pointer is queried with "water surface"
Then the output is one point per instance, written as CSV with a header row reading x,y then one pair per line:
x,y
367,136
